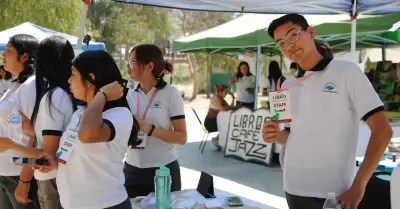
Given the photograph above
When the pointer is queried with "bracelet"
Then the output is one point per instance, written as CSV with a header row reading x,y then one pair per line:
x,y
151,130
101,90
24,182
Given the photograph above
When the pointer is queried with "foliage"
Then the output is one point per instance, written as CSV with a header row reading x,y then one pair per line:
x,y
61,16
127,24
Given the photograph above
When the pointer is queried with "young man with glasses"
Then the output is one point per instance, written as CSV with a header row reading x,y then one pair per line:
x,y
326,106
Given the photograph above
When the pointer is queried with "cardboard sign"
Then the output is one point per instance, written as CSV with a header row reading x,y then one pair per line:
x,y
245,136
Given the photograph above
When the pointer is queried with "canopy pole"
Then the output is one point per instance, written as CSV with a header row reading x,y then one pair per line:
x,y
209,67
353,19
82,23
258,73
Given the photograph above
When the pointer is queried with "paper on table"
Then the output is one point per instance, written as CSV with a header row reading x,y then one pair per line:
x,y
215,203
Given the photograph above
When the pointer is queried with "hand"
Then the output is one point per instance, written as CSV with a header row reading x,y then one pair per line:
x,y
21,193
53,164
352,197
27,127
113,91
270,131
144,127
5,144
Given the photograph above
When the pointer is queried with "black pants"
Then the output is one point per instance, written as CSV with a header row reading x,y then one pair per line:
x,y
8,185
124,205
299,202
245,104
211,124
140,181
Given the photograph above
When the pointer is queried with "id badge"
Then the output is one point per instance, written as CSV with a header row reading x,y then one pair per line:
x,y
68,141
279,104
142,140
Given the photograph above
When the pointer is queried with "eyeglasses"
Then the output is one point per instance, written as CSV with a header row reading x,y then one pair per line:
x,y
291,38
131,63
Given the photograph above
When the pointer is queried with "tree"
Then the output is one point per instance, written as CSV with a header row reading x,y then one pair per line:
x,y
61,16
128,24
194,22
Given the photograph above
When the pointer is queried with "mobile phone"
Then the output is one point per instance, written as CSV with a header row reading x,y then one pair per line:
x,y
234,201
30,161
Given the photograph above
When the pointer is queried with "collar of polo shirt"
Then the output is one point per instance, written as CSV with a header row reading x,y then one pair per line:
x,y
321,65
160,84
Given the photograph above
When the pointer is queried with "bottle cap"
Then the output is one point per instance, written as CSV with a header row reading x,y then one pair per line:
x,y
163,171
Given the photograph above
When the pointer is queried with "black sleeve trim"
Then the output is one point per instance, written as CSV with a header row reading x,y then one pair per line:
x,y
370,113
177,117
112,129
51,133
287,128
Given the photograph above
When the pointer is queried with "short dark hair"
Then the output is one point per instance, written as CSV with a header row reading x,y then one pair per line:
x,y
296,19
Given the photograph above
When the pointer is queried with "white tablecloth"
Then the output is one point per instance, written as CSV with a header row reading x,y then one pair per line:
x,y
189,197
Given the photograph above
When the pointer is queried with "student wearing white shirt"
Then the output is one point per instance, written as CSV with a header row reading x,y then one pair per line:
x,y
245,84
6,80
326,107
90,169
274,74
18,59
159,109
53,109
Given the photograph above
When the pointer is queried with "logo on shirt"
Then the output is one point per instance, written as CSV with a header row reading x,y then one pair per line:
x,y
330,88
156,104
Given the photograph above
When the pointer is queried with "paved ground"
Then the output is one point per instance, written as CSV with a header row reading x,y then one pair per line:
x,y
259,184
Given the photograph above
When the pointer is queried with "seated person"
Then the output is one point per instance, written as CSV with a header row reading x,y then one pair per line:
x,y
217,104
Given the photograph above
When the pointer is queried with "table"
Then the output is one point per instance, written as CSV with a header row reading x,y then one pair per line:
x,y
184,199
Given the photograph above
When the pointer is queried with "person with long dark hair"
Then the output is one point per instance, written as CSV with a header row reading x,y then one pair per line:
x,y
5,80
159,108
15,184
52,110
91,150
274,74
245,83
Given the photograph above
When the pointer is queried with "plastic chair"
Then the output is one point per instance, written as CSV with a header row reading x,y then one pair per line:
x,y
205,135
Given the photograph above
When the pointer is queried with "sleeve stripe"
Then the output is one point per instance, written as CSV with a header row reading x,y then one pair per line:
x,y
112,129
177,117
372,112
51,133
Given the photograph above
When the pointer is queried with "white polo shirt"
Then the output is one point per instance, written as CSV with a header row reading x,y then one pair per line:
x,y
166,107
395,188
93,176
21,98
52,119
242,84
326,112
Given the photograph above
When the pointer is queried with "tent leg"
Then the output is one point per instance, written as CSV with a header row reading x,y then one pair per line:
x,y
82,23
258,73
209,66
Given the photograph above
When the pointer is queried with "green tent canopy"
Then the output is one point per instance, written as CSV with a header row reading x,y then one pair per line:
x,y
371,32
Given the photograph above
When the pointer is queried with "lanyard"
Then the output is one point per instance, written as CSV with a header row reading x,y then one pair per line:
x,y
148,105
293,83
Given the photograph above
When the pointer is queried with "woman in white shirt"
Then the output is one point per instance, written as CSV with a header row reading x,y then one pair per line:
x,y
245,84
18,59
159,110
274,73
53,108
90,169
